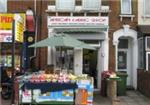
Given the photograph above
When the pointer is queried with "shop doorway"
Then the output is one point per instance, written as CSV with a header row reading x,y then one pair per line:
x,y
90,64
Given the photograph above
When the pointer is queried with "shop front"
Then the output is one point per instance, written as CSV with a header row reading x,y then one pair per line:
x,y
91,30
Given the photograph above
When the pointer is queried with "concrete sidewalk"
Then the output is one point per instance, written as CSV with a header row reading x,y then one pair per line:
x,y
132,98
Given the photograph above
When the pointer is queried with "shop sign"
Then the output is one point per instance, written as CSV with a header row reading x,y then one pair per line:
x,y
76,21
19,27
6,21
5,36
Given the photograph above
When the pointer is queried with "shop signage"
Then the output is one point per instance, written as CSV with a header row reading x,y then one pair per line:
x,y
19,27
76,21
5,36
6,21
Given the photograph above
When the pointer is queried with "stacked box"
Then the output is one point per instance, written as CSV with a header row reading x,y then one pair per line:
x,y
25,96
87,84
49,96
67,95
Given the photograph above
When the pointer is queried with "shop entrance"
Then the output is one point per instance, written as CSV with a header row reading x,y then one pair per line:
x,y
90,64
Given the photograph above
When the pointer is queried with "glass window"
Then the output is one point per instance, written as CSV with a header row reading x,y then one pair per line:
x,y
148,61
140,53
126,7
67,5
91,4
122,60
3,5
64,58
147,43
146,5
123,43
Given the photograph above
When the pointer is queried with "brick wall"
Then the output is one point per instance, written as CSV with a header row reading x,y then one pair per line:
x,y
17,6
115,24
144,82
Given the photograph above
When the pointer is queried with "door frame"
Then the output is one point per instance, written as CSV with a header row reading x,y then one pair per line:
x,y
128,68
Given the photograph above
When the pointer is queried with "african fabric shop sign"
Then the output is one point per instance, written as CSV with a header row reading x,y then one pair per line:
x,y
6,21
76,21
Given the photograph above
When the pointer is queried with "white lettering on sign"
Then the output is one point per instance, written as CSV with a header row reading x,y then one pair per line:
x,y
5,35
56,21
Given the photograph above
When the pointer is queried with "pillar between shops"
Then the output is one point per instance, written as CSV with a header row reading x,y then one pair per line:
x,y
78,61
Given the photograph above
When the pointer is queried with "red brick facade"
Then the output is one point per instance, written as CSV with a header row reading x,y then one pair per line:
x,y
115,24
41,6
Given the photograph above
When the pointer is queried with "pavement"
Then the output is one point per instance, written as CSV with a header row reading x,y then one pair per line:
x,y
131,98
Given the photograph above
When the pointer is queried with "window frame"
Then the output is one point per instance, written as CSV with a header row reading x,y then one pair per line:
x,y
147,62
87,8
64,9
146,47
130,12
4,10
141,57
144,9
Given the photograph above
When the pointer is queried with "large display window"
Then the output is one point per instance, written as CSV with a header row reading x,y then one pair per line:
x,y
6,55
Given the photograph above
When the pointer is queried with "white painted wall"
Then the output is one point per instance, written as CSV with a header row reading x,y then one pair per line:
x,y
141,19
78,61
51,54
127,32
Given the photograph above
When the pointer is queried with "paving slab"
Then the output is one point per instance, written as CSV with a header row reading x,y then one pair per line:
x,y
131,98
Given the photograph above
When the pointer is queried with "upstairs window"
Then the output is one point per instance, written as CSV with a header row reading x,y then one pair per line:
x,y
65,5
3,5
146,7
91,4
126,7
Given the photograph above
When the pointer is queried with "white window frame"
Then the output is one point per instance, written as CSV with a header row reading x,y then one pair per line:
x,y
3,6
146,47
139,50
64,9
147,53
130,12
144,9
84,7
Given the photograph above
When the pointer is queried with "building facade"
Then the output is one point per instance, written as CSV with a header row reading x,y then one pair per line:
x,y
85,22
123,38
110,27
144,46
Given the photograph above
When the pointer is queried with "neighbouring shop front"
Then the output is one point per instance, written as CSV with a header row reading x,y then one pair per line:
x,y
91,30
144,59
6,33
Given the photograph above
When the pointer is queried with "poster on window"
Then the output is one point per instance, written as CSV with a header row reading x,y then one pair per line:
x,y
5,35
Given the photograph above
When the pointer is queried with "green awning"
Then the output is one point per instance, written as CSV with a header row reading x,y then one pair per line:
x,y
84,28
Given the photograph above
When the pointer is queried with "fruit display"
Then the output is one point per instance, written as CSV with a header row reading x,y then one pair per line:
x,y
42,77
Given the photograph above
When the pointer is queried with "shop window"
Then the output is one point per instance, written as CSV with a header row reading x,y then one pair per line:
x,y
148,61
146,8
126,7
3,5
91,4
64,58
140,53
147,44
65,5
